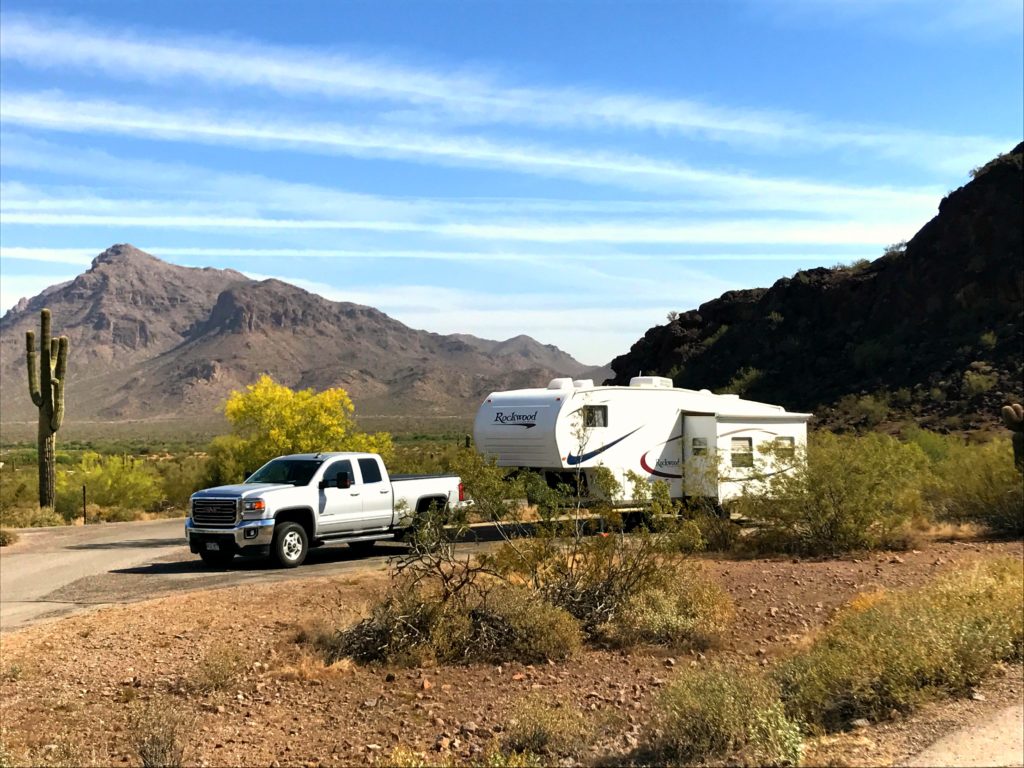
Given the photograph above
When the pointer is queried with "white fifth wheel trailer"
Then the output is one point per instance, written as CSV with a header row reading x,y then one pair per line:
x,y
700,443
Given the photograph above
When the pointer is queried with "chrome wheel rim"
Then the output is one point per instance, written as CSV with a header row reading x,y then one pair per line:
x,y
292,545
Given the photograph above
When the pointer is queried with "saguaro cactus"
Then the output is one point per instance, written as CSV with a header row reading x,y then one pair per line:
x,y
1013,417
46,386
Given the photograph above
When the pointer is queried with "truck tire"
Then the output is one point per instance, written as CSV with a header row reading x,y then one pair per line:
x,y
290,545
217,559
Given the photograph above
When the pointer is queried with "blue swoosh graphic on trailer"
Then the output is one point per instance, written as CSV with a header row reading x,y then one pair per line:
x,y
572,461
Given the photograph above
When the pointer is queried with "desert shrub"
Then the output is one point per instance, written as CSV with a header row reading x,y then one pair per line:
x,y
720,713
219,667
716,533
180,478
158,731
537,726
30,517
7,537
988,340
978,383
869,410
411,626
850,493
493,757
685,609
979,484
111,481
888,652
742,381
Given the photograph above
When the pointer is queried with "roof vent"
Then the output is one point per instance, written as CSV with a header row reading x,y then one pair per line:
x,y
656,382
583,383
560,384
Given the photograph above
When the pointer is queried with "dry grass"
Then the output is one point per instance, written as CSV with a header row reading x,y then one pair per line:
x,y
535,725
889,652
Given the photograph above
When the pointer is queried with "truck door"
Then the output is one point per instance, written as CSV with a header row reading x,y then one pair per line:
x,y
339,508
378,497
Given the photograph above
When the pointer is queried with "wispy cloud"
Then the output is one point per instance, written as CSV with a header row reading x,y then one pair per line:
x,y
460,96
56,113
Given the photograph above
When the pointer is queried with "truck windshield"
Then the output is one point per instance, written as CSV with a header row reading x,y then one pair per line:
x,y
290,471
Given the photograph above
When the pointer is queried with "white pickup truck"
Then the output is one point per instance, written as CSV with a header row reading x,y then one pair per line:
x,y
296,502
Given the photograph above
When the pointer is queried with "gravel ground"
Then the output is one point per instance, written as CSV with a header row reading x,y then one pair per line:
x,y
69,688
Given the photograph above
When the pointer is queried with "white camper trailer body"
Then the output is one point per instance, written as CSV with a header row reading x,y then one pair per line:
x,y
700,443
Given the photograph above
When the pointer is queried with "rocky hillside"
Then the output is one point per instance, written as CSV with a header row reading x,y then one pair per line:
x,y
152,340
931,331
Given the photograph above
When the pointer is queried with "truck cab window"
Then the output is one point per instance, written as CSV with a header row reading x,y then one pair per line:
x,y
742,452
370,470
338,469
595,415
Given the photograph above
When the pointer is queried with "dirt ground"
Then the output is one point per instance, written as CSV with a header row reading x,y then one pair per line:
x,y
69,688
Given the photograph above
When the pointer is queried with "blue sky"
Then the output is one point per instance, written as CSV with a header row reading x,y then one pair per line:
x,y
570,170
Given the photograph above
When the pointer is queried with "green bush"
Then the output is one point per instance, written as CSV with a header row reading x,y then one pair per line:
x,y
978,484
742,381
111,481
889,652
7,537
539,727
851,493
722,714
180,478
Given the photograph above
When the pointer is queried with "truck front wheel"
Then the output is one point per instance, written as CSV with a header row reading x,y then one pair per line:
x,y
290,545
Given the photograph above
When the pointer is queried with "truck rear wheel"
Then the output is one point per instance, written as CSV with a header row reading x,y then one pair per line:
x,y
290,545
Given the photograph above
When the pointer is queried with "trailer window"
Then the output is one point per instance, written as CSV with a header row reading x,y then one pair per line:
x,y
595,415
370,471
700,446
742,452
785,447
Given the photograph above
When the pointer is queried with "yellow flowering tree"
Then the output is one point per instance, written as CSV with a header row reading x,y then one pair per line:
x,y
269,419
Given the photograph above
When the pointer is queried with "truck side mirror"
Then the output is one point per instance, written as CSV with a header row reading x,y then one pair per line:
x,y
344,480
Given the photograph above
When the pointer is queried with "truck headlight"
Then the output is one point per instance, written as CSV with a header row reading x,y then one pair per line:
x,y
253,508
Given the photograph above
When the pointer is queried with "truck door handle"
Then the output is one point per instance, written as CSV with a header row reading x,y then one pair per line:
x,y
355,494
385,491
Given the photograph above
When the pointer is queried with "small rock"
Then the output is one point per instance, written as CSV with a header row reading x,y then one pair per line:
x,y
977,696
389,677
439,722
373,747
470,727
773,611
369,703
670,662
861,722
426,685
518,676
896,559
443,743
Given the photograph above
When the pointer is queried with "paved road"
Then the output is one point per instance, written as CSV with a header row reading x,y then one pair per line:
x,y
997,742
52,572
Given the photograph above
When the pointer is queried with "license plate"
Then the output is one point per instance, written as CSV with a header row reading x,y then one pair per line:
x,y
212,546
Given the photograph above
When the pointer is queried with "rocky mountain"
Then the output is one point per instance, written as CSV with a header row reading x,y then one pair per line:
x,y
152,340
933,331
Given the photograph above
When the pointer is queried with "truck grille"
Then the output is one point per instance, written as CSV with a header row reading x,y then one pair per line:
x,y
214,513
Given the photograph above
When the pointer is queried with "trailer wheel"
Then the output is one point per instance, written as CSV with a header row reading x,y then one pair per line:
x,y
290,545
